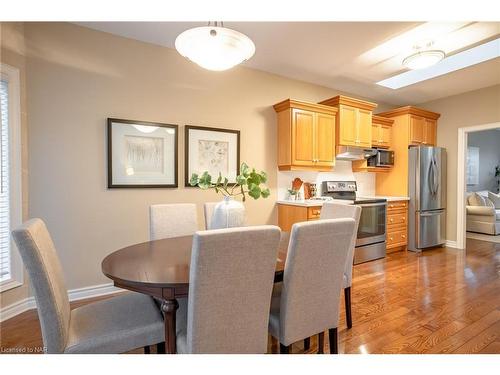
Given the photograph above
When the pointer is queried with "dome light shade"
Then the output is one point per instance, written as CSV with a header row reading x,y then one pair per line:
x,y
423,59
215,48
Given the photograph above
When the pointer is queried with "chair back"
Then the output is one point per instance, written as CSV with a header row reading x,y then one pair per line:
x,y
332,210
172,220
230,286
44,269
312,278
208,209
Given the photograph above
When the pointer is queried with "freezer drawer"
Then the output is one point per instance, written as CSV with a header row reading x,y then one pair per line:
x,y
430,228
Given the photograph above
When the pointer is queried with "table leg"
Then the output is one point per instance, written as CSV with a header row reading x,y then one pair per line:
x,y
169,308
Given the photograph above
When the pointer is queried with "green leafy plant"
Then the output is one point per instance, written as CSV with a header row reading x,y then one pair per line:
x,y
248,182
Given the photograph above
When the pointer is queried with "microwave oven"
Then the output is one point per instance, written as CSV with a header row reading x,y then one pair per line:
x,y
382,158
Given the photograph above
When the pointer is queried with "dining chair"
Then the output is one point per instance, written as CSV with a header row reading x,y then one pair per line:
x,y
230,285
114,325
332,210
172,220
307,303
208,209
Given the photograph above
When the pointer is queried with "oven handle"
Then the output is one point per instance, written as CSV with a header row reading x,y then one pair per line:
x,y
371,204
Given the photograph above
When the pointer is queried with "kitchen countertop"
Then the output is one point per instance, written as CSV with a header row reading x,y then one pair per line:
x,y
316,203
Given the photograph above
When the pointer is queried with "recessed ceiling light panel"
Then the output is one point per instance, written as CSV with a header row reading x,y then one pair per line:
x,y
464,59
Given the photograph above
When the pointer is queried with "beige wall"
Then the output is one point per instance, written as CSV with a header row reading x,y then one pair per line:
x,y
12,52
76,78
468,109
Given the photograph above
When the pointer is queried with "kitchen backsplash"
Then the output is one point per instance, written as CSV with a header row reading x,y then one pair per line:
x,y
343,172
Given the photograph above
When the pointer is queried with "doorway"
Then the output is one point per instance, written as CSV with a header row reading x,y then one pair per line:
x,y
474,182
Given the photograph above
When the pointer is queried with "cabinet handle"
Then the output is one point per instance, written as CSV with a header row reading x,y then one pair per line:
x,y
403,218
392,220
403,236
391,206
390,238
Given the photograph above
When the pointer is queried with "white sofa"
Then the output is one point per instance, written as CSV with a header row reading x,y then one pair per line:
x,y
482,215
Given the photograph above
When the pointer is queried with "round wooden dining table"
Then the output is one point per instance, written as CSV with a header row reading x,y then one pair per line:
x,y
160,269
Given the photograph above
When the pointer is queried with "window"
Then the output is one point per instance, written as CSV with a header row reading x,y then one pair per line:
x,y
11,272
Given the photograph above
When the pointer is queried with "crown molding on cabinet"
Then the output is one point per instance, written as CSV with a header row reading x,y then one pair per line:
x,y
410,110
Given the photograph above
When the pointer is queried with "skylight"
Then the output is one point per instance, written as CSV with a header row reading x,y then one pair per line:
x,y
473,56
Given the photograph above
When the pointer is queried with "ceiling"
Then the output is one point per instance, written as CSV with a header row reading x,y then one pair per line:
x,y
346,56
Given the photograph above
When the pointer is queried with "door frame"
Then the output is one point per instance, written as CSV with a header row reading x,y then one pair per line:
x,y
461,177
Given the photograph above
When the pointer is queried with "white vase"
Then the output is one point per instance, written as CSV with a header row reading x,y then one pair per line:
x,y
228,214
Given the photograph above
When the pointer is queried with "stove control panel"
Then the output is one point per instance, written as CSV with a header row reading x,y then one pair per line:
x,y
338,186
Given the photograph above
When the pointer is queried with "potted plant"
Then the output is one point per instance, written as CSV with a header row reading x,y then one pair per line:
x,y
229,212
497,177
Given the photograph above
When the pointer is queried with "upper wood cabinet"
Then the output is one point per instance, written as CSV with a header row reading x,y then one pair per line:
x,y
381,131
354,120
412,127
306,135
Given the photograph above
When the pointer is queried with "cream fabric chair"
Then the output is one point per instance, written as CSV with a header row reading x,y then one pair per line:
x,y
208,209
483,216
115,325
308,302
230,286
332,210
172,220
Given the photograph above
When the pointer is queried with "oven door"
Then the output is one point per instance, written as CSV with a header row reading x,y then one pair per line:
x,y
371,223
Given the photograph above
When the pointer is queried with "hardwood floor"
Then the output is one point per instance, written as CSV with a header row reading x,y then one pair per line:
x,y
440,301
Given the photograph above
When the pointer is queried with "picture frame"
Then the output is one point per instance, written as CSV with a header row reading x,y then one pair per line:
x,y
142,154
211,149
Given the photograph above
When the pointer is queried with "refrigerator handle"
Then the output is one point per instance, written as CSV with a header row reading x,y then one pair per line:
x,y
430,177
436,179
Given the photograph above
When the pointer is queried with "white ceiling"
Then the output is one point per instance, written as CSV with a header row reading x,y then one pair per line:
x,y
347,56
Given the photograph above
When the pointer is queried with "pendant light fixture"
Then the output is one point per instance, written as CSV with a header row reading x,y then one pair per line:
x,y
424,58
215,47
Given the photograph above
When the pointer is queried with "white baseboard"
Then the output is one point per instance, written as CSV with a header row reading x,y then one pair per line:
x,y
29,303
452,244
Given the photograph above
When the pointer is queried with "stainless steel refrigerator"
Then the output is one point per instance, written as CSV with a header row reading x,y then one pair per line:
x,y
427,188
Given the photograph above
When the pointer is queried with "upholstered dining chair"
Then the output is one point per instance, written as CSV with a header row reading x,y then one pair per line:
x,y
172,220
230,285
208,210
114,325
307,303
332,210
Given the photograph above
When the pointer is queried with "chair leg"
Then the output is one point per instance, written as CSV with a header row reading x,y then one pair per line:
x,y
348,316
332,333
160,348
307,343
284,349
321,342
147,350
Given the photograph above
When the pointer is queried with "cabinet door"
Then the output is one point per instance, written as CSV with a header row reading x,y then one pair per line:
x,y
364,128
416,130
325,139
302,137
385,136
430,132
376,134
347,126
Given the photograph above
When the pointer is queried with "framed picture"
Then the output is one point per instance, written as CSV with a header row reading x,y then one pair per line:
x,y
213,150
472,165
142,154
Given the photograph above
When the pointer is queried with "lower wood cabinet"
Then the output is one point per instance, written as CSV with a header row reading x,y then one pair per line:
x,y
397,224
289,214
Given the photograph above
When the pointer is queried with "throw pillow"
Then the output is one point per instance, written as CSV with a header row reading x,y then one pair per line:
x,y
477,200
495,198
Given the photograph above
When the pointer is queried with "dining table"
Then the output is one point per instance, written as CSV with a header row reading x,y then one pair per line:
x,y
160,269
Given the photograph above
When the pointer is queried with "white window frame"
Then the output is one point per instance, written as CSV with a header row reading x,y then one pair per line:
x,y
12,76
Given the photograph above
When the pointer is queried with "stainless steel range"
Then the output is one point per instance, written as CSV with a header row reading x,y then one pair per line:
x,y
370,243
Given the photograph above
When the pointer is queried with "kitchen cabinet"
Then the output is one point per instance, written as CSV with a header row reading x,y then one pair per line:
x,y
353,121
422,131
381,131
289,214
306,136
397,223
412,126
